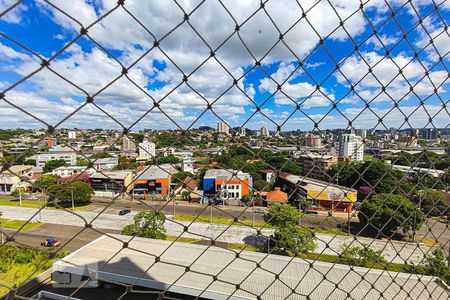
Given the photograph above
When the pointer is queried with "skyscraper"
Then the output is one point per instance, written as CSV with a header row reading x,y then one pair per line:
x,y
351,146
223,127
128,145
264,132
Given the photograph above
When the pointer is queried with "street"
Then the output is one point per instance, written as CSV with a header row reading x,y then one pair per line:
x,y
395,251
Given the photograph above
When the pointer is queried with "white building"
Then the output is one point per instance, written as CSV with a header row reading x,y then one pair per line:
x,y
223,127
147,150
264,132
351,146
57,153
69,171
187,165
242,131
72,135
168,151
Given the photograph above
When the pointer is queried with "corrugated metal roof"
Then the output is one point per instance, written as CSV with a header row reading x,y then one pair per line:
x,y
322,281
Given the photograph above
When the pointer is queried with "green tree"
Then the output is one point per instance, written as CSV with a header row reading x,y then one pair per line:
x,y
82,162
179,176
360,256
169,159
387,213
262,185
81,192
431,203
126,164
147,224
101,155
46,180
282,215
382,178
53,164
436,265
31,162
295,239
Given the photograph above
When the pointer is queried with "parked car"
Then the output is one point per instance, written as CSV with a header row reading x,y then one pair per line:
x,y
260,210
124,212
311,212
51,243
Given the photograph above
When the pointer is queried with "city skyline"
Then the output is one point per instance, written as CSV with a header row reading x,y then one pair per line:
x,y
51,98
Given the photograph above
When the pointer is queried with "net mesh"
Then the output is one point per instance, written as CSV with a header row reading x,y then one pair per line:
x,y
321,243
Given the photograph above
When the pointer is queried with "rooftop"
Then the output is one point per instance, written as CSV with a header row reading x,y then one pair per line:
x,y
155,172
136,265
17,169
318,185
122,174
226,174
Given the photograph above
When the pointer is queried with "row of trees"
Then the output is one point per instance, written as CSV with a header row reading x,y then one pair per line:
x,y
79,192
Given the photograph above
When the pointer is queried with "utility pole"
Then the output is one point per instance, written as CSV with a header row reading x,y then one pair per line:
x,y
20,197
71,193
40,209
1,229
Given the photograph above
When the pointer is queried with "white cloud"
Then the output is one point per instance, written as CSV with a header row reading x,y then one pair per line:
x,y
14,15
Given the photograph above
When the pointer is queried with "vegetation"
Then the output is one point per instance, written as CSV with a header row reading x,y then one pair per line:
x,y
362,256
80,192
288,236
262,185
6,134
237,156
436,265
295,239
385,213
126,164
382,178
169,159
147,224
38,204
18,263
46,180
221,220
431,203
282,215
179,176
16,224
53,164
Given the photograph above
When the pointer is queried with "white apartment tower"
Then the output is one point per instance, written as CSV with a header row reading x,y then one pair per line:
x,y
147,150
351,145
72,135
264,132
223,127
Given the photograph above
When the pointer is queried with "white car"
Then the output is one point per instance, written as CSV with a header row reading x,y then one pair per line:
x,y
260,210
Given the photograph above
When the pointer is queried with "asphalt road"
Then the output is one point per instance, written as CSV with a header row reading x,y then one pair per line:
x,y
71,237
243,213
395,251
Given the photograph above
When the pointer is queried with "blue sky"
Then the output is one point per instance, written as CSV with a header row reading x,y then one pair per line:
x,y
91,63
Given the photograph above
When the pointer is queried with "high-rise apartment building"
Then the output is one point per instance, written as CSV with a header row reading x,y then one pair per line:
x,y
351,146
128,145
223,127
147,149
264,132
